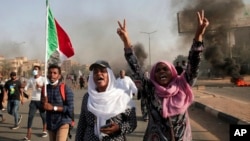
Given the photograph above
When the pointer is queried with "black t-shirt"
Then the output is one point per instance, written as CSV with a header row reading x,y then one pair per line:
x,y
179,69
13,88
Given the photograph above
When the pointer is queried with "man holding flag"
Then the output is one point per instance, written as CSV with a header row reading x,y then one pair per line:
x,y
59,112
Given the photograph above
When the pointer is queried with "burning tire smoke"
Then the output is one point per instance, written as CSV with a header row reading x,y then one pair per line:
x,y
222,38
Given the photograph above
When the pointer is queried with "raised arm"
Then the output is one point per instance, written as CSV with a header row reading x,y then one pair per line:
x,y
194,56
122,32
202,25
129,54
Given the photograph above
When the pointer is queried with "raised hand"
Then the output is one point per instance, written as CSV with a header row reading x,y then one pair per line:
x,y
122,32
202,25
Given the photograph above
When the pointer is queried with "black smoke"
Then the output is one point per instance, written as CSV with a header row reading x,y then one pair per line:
x,y
140,53
221,15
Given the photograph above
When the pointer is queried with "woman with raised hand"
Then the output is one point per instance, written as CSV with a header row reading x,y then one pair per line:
x,y
168,95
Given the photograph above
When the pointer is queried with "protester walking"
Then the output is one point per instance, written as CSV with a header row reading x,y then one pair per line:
x,y
12,88
36,83
184,65
81,82
1,99
126,83
59,113
178,68
168,94
107,112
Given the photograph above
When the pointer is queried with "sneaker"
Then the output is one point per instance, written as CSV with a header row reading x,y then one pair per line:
x,y
15,127
19,119
44,134
26,139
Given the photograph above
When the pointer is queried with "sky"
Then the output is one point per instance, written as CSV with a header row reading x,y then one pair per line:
x,y
91,26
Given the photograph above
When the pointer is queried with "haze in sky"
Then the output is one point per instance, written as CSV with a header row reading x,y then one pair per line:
x,y
91,26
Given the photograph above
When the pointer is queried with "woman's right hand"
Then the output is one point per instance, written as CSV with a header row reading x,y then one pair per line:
x,y
112,128
122,32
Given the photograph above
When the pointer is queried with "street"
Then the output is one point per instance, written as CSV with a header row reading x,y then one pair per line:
x,y
204,125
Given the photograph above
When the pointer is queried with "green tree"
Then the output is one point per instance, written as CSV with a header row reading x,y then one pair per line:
x,y
179,58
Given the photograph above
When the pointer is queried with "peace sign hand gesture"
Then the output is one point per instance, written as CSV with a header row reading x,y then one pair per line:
x,y
202,25
122,32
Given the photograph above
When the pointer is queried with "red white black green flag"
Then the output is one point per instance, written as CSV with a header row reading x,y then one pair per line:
x,y
58,44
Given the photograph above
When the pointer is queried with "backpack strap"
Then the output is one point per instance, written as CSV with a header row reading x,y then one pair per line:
x,y
63,95
62,91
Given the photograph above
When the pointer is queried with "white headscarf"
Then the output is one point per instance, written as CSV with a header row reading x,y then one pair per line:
x,y
107,104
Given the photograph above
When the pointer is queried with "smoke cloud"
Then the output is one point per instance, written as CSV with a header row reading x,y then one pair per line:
x,y
93,32
222,15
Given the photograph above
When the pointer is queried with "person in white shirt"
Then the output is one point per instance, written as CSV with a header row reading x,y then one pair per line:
x,y
36,83
126,83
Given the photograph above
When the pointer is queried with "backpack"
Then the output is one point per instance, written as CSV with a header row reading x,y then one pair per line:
x,y
62,92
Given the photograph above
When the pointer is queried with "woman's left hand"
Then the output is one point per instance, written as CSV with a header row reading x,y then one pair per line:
x,y
202,25
122,32
111,129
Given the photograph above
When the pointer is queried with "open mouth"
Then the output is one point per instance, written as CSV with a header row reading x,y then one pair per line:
x,y
99,79
163,77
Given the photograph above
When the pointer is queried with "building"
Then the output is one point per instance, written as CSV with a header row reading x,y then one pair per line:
x,y
1,62
21,65
68,66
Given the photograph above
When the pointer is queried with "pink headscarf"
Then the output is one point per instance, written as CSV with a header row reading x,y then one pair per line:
x,y
176,96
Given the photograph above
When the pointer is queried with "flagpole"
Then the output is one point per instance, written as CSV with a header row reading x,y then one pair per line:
x,y
57,42
46,47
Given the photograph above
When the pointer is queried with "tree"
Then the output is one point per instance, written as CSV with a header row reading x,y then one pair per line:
x,y
179,58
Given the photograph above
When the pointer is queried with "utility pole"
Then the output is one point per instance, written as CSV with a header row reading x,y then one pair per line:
x,y
149,52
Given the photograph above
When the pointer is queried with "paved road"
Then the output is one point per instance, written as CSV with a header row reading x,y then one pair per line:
x,y
237,93
204,125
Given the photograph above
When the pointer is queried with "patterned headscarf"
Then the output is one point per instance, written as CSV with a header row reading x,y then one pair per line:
x,y
176,96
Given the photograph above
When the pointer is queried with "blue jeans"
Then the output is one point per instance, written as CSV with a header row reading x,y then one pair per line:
x,y
34,106
13,108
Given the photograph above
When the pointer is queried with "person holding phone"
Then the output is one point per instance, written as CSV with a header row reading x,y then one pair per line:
x,y
107,112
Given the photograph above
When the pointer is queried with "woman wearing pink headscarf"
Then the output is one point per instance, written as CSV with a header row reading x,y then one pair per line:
x,y
168,94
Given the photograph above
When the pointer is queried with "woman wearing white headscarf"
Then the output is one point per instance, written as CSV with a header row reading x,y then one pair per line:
x,y
107,112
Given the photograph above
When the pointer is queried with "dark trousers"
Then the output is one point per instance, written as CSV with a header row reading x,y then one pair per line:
x,y
144,108
33,107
